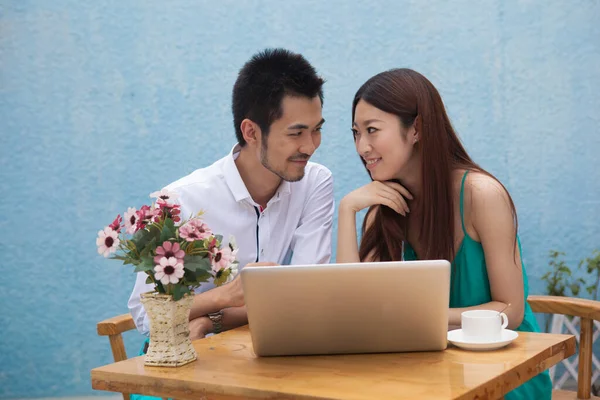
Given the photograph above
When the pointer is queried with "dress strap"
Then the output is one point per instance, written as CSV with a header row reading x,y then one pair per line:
x,y
462,208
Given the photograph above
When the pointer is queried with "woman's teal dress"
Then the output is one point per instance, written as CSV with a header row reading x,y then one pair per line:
x,y
470,286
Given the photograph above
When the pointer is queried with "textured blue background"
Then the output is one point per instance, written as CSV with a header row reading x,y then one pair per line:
x,y
103,102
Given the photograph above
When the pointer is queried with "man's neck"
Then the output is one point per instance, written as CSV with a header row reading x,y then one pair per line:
x,y
261,183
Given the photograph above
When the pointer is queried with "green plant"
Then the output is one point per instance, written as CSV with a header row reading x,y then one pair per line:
x,y
559,279
592,266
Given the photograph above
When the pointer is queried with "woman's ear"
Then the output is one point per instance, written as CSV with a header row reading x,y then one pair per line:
x,y
250,131
413,132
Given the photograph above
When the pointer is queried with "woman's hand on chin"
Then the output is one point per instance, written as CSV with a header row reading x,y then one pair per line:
x,y
389,194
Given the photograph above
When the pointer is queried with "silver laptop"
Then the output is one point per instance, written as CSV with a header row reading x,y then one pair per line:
x,y
348,308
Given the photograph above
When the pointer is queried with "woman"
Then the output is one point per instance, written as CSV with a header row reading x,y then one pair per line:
x,y
429,200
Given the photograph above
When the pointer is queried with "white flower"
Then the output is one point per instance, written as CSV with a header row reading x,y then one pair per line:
x,y
234,271
131,220
169,270
107,241
165,195
232,243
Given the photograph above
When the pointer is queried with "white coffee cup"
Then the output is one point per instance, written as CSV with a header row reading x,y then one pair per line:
x,y
483,325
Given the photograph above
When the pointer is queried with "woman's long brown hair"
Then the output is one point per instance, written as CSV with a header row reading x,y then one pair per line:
x,y
409,95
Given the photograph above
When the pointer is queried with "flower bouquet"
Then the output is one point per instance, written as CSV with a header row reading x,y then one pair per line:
x,y
178,256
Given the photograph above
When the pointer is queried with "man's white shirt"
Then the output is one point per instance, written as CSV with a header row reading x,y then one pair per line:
x,y
296,223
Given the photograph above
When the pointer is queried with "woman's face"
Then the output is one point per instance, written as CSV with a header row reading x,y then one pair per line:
x,y
382,141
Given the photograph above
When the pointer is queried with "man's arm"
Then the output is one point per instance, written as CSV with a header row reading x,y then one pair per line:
x,y
233,317
312,239
218,298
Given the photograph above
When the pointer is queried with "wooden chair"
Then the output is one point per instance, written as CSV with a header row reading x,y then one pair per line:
x,y
588,311
113,328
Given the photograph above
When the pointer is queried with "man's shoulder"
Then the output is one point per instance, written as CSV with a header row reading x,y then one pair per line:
x,y
200,177
317,179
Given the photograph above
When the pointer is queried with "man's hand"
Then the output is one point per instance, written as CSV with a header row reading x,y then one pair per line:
x,y
235,292
200,327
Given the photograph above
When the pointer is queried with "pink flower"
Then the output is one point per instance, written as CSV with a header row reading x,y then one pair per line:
x,y
212,244
145,215
169,250
131,220
195,229
171,210
107,241
168,271
222,259
116,224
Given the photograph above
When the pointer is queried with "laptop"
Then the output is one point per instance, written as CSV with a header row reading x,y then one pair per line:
x,y
352,308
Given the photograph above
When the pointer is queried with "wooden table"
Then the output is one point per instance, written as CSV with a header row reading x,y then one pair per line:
x,y
228,369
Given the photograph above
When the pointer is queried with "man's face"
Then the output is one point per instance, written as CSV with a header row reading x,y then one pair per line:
x,y
293,138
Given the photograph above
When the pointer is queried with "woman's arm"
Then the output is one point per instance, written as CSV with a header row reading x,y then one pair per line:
x,y
491,222
347,247
375,193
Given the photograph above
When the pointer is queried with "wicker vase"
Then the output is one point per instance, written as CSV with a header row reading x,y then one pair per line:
x,y
170,344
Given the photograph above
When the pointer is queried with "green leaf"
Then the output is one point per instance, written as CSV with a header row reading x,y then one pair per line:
x,y
168,230
202,275
148,249
196,263
147,262
590,289
142,268
149,280
179,291
140,238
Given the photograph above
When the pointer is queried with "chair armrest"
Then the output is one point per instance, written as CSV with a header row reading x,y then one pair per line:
x,y
572,306
116,325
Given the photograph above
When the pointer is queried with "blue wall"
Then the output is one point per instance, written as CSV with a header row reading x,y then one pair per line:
x,y
103,102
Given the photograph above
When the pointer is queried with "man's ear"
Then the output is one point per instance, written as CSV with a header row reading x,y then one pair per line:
x,y
250,131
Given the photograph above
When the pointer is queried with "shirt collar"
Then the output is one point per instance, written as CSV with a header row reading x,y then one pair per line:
x,y
236,184
233,177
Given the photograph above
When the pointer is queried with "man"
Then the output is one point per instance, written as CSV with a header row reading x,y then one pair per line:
x,y
277,204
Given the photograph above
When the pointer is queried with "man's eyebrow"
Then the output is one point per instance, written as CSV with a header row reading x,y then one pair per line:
x,y
302,126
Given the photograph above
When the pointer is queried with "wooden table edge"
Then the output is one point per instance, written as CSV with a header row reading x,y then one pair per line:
x,y
509,380
501,385
193,391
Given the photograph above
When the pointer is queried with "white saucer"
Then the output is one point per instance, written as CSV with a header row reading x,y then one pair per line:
x,y
456,338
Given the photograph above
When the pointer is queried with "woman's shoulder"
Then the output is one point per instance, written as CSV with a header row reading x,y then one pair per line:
x,y
481,188
486,203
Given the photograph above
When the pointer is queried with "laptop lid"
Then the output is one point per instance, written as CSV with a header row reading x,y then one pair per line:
x,y
348,308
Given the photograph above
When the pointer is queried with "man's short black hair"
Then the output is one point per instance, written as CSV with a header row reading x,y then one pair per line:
x,y
264,81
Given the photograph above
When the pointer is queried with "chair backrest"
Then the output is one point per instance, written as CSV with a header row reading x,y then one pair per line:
x,y
588,311
113,328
